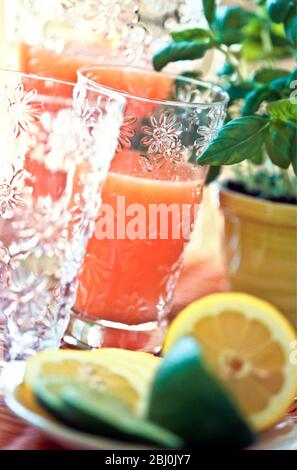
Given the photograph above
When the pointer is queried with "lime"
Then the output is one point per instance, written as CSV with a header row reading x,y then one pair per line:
x,y
46,392
98,412
125,374
187,399
246,344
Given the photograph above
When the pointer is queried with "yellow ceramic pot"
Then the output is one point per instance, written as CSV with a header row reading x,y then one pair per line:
x,y
260,249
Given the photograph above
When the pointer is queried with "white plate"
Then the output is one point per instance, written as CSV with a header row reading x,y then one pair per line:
x,y
281,437
63,435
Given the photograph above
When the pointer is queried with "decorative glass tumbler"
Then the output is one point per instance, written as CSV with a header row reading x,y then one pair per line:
x,y
56,143
150,201
56,37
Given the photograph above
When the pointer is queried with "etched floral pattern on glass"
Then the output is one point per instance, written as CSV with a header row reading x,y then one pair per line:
x,y
136,28
162,139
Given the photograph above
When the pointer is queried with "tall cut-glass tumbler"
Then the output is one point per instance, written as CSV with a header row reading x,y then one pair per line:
x,y
56,143
150,201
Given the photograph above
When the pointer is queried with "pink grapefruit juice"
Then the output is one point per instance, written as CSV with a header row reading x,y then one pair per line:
x,y
63,66
130,281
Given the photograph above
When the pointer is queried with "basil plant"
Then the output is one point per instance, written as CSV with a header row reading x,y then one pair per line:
x,y
261,127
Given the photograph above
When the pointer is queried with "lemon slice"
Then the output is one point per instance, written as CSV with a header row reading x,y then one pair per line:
x,y
247,345
125,374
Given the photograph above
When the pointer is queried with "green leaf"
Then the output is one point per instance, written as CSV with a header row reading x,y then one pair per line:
x,y
260,27
209,10
279,41
279,143
278,9
213,173
232,17
192,34
230,23
252,50
238,140
281,85
254,99
229,37
258,157
227,69
183,50
282,109
266,75
291,29
254,27
237,92
278,29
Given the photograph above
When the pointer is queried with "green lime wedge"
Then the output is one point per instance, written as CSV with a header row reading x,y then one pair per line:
x,y
98,412
188,400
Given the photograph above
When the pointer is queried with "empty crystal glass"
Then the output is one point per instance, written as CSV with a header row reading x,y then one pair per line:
x,y
57,141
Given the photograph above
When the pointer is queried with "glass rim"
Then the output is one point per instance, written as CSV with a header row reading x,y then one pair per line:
x,y
108,91
204,83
